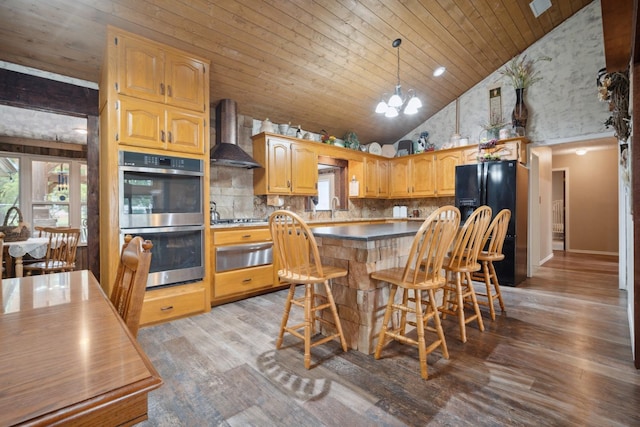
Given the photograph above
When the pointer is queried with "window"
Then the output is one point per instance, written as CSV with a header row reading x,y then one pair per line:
x,y
49,191
331,183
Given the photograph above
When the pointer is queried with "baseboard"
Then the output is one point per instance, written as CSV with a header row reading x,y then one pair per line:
x,y
580,251
547,258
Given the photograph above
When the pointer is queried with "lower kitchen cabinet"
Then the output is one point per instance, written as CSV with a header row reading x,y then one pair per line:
x,y
241,262
243,281
161,305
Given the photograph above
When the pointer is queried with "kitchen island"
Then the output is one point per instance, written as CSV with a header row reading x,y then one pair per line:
x,y
363,249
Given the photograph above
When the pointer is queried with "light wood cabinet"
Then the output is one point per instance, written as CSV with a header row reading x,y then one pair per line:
x,y
160,95
412,176
512,150
153,99
152,125
446,163
423,175
399,177
304,170
172,302
148,71
469,156
290,168
376,177
240,283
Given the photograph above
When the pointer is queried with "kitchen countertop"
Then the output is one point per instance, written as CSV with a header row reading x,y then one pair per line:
x,y
368,232
313,222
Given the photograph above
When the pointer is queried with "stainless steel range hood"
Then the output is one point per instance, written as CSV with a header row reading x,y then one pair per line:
x,y
226,152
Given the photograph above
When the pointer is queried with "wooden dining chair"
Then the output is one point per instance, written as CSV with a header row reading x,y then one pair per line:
x,y
491,251
61,251
422,276
298,263
461,262
128,291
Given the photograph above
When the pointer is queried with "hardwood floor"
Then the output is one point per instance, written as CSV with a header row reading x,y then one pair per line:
x,y
559,356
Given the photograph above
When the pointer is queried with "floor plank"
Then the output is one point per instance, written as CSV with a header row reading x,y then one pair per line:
x,y
559,355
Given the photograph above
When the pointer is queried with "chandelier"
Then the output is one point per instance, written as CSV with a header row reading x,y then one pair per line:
x,y
398,102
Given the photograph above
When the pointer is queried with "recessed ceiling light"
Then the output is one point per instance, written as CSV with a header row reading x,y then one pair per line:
x,y
581,151
80,130
439,71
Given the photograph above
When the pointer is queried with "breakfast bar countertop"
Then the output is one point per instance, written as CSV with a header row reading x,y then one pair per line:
x,y
368,232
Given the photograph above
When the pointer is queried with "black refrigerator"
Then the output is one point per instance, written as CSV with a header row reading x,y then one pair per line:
x,y
499,185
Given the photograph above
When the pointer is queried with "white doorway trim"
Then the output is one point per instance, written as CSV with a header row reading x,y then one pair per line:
x,y
533,250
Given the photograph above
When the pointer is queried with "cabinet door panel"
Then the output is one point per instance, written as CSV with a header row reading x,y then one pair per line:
x,y
185,82
447,173
140,123
399,185
304,170
383,178
279,166
186,132
370,177
140,70
423,172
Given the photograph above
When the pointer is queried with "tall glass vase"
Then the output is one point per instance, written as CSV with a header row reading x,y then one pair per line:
x,y
520,112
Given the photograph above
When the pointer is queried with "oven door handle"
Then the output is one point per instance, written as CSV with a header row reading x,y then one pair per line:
x,y
245,247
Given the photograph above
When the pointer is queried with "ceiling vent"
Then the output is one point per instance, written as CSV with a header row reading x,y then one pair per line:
x,y
538,7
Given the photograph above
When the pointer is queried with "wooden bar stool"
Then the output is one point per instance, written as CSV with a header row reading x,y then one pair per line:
x,y
462,261
422,275
298,262
492,251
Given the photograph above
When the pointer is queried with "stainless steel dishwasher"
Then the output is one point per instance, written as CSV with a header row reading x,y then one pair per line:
x,y
243,256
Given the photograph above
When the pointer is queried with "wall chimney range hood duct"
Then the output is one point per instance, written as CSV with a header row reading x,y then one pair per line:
x,y
226,152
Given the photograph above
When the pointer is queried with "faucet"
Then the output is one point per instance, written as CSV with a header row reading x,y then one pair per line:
x,y
335,204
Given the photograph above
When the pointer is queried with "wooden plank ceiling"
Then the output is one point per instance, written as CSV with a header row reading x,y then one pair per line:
x,y
320,64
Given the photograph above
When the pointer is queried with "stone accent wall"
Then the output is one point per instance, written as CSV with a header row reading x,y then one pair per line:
x,y
361,301
564,104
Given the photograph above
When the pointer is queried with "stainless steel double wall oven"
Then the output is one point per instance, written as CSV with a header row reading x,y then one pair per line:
x,y
161,200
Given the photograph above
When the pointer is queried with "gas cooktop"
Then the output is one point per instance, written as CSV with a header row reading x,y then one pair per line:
x,y
238,221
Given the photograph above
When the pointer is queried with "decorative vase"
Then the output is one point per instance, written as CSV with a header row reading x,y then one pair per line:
x,y
520,112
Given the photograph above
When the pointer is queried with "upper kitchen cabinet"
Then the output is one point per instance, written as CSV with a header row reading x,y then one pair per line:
x,y
446,163
158,96
376,177
148,71
290,168
412,176
509,149
152,125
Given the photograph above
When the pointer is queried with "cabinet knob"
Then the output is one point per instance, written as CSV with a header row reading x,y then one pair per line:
x,y
161,88
169,134
166,308
162,135
169,92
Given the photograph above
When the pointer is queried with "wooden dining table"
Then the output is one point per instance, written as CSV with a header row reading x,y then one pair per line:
x,y
34,246
67,357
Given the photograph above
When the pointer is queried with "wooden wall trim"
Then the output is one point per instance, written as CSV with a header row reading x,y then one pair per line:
x,y
37,93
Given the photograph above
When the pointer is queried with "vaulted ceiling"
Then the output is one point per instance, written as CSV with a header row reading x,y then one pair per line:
x,y
320,64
